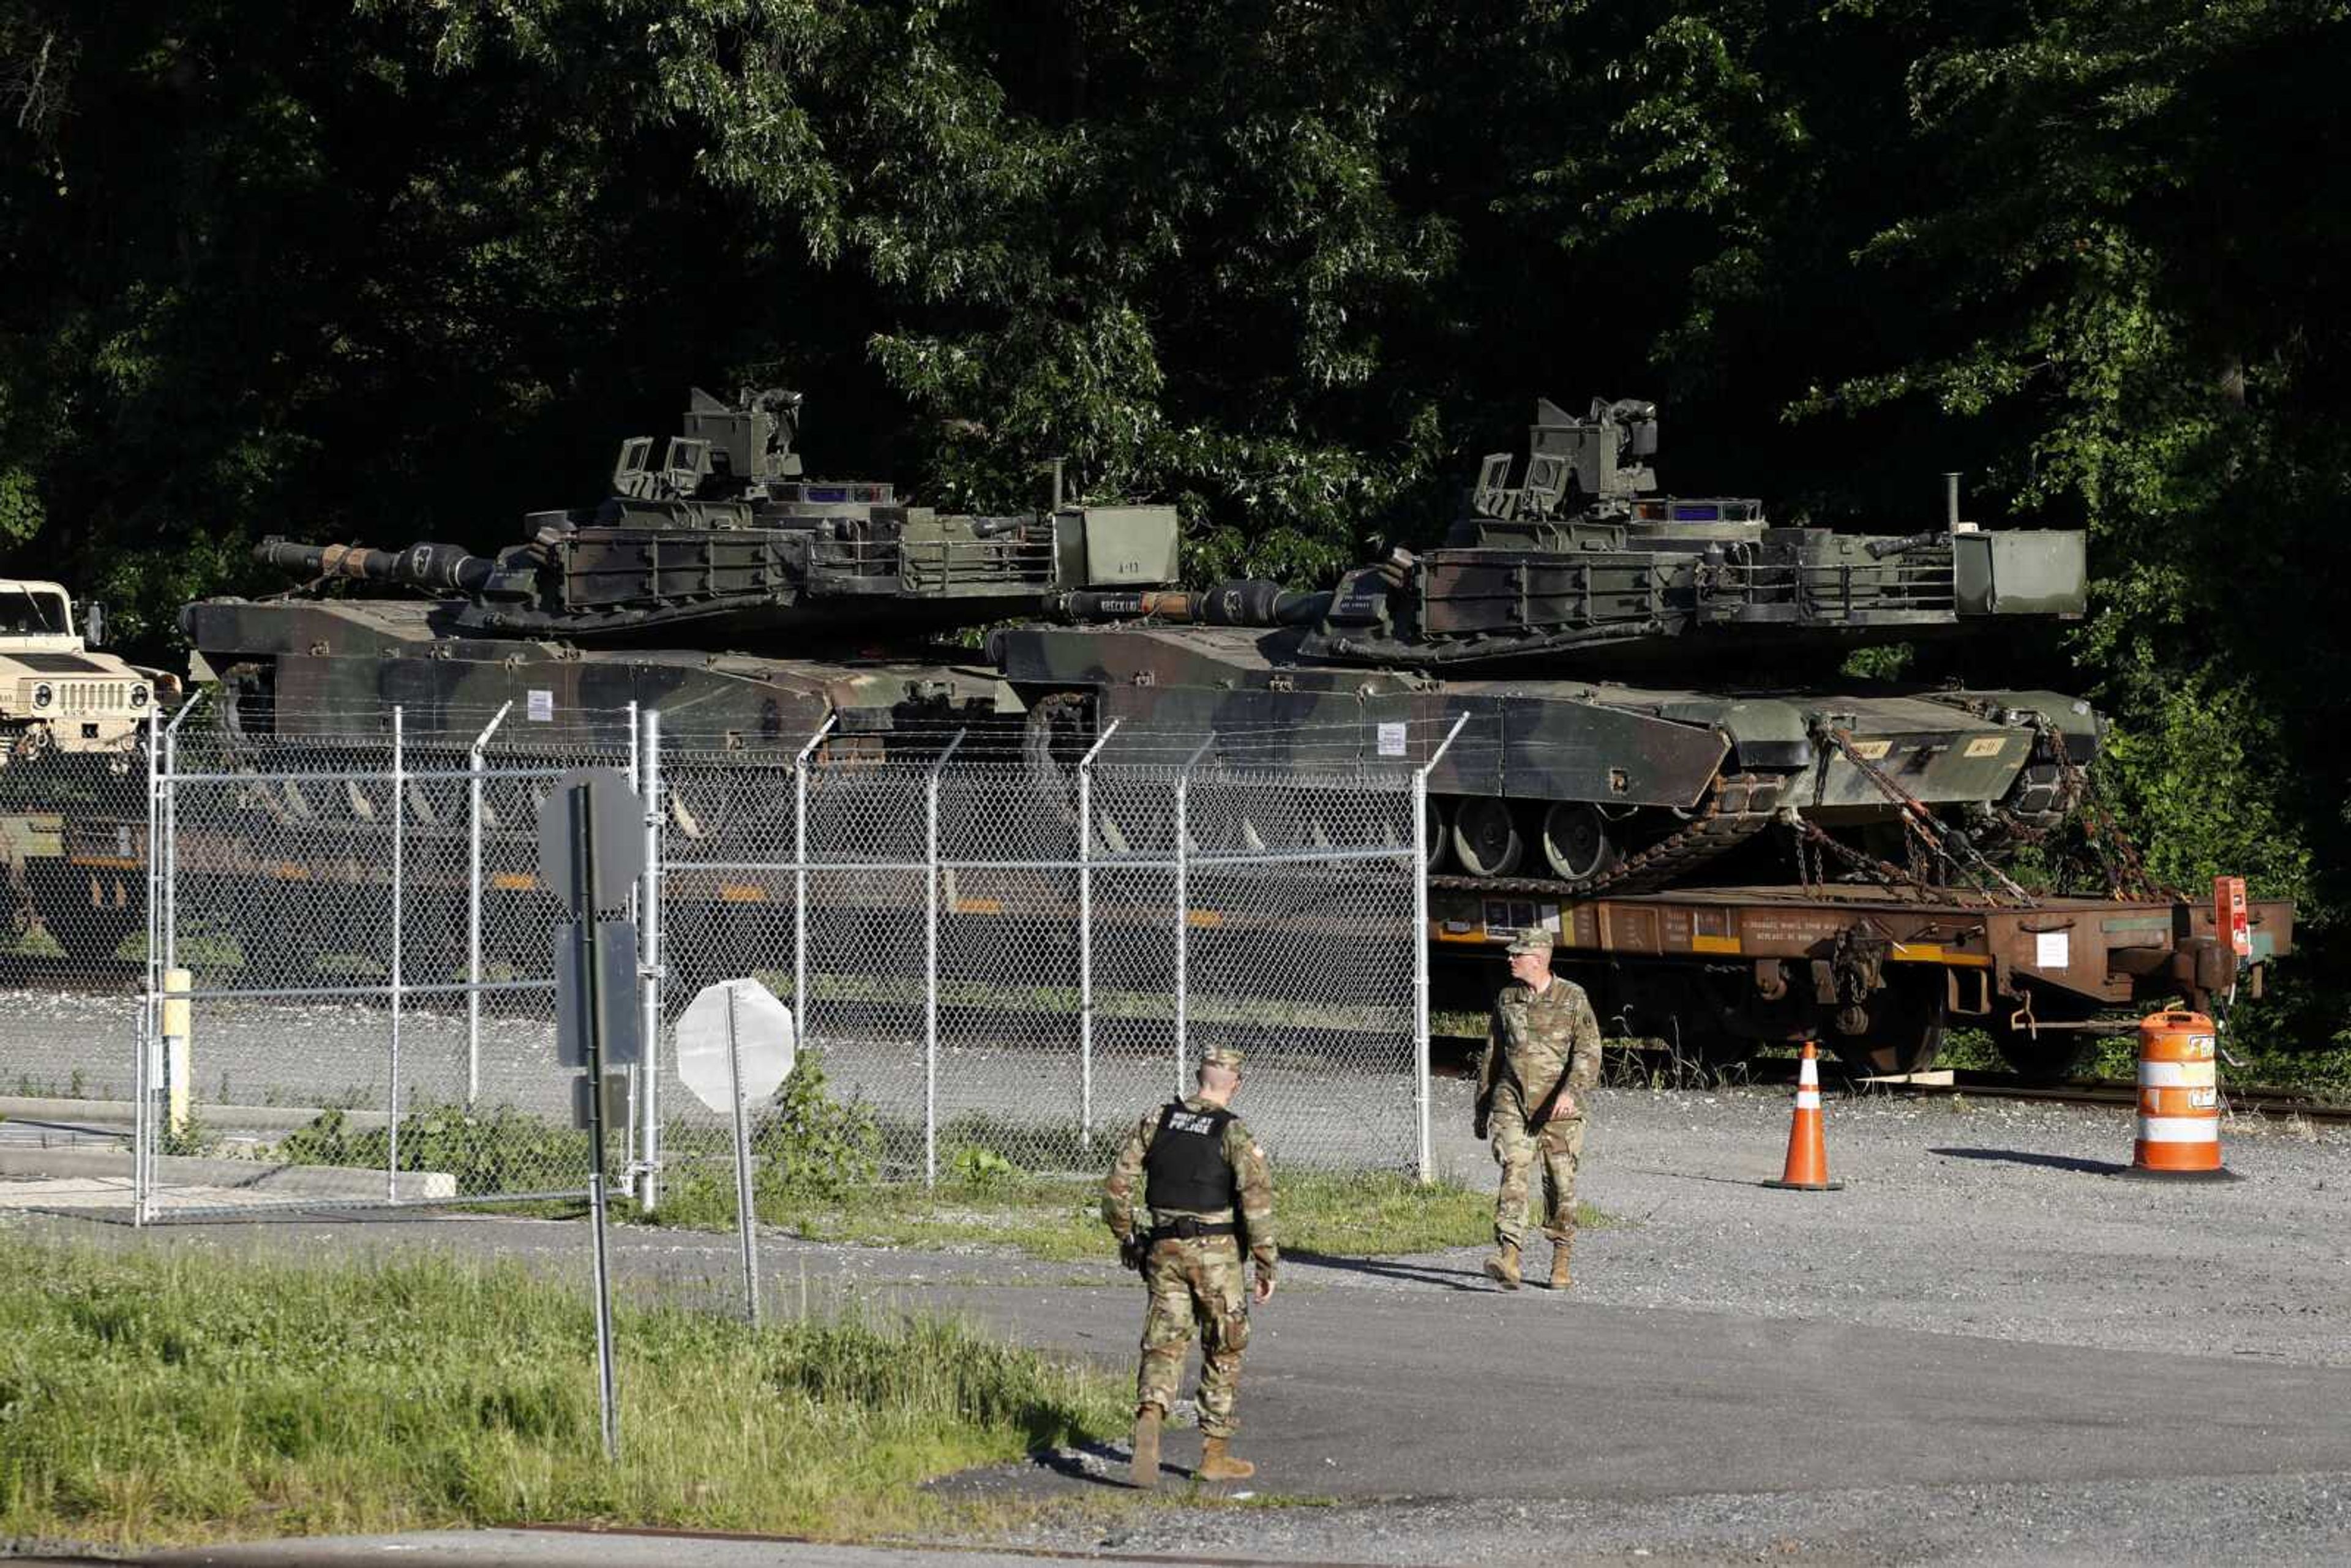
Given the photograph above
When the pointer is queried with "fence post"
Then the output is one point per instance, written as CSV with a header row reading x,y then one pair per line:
x,y
631,1131
1420,942
1086,937
1183,907
648,952
931,966
162,947
474,767
398,876
145,1033
804,1016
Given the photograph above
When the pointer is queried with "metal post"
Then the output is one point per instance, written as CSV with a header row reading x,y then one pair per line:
x,y
171,824
1420,943
630,1170
1183,907
146,1031
398,875
803,1015
164,947
931,967
1086,935
474,770
745,1218
648,953
584,845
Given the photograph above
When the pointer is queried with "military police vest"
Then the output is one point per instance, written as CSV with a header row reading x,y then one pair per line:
x,y
1186,1165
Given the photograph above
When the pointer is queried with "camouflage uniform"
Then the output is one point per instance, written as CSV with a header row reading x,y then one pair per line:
x,y
1532,1039
1198,1281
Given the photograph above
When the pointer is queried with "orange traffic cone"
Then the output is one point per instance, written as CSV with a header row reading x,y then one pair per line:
x,y
1808,1145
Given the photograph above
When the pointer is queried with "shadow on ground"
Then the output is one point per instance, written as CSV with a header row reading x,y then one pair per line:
x,y
2025,1157
1417,1273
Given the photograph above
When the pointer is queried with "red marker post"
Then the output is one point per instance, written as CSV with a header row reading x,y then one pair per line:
x,y
2230,921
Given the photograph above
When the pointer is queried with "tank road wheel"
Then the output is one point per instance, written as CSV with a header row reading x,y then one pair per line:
x,y
1439,834
1575,841
1486,837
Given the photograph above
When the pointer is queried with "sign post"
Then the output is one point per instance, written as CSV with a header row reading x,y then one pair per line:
x,y
734,1045
587,844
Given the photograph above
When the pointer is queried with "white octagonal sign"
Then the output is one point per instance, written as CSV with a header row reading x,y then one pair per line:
x,y
763,1037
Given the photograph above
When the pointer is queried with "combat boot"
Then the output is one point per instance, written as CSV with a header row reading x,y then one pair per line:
x,y
1558,1251
1502,1268
1218,1465
1147,1447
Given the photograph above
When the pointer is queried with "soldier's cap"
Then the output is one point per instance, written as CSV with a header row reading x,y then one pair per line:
x,y
1532,941
1223,1056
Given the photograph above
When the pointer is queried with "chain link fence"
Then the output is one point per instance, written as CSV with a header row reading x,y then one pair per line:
x,y
340,958
1010,962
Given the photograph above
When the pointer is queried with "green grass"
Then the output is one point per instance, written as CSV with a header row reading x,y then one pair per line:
x,y
1358,1216
151,1398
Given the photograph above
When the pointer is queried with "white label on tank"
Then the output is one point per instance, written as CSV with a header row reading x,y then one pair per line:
x,y
541,708
2052,950
1392,740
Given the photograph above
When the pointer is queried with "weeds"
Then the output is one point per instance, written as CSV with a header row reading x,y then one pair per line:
x,y
155,1398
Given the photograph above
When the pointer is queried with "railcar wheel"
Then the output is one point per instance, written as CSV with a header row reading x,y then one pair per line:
x,y
1906,1028
1486,839
1575,841
2047,1055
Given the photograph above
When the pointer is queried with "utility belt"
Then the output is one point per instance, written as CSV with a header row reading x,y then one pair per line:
x,y
1188,1229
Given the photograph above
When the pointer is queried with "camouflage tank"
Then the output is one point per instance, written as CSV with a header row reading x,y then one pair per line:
x,y
746,601
1642,682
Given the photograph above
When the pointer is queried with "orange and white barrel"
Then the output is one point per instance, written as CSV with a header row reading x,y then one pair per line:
x,y
2179,1096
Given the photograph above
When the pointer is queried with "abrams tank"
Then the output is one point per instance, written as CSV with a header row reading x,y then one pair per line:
x,y
1632,684
745,600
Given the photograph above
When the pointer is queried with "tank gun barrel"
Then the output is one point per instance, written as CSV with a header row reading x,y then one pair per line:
x,y
1253,603
427,566
1880,549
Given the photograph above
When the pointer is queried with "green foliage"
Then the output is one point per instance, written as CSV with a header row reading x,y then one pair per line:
x,y
487,1151
808,1144
981,1168
190,1137
155,1397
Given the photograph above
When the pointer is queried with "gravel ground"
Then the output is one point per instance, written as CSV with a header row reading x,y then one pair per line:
x,y
1970,1215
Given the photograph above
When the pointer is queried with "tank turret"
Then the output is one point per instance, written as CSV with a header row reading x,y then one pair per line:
x,y
726,541
1646,680
1582,565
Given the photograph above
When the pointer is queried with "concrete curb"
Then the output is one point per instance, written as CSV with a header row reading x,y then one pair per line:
x,y
246,1176
260,1118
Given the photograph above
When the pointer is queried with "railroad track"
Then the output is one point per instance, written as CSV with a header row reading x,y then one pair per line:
x,y
2079,1091
1456,1056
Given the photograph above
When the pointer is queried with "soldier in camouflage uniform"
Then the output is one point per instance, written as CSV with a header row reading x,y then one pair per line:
x,y
1207,1194
1542,1051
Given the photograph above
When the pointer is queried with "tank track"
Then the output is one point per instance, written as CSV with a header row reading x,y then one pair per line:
x,y
1741,806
